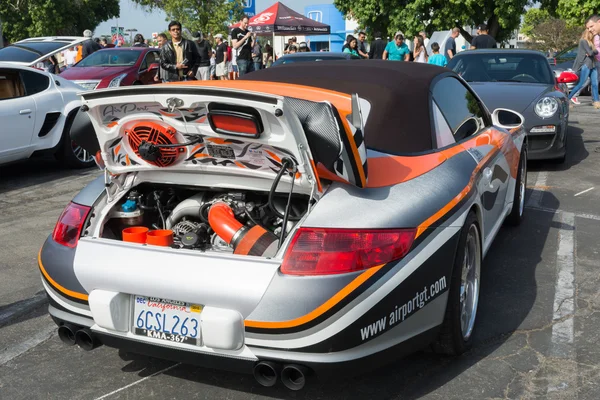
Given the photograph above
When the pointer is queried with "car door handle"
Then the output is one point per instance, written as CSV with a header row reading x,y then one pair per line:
x,y
25,112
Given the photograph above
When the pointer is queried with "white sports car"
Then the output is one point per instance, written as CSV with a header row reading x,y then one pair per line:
x,y
36,110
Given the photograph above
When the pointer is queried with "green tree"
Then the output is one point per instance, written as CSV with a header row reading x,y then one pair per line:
x,y
532,18
553,34
575,12
208,16
30,18
412,16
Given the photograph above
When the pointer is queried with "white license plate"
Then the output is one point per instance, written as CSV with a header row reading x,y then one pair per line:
x,y
170,320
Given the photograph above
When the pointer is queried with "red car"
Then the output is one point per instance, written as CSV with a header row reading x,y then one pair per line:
x,y
119,66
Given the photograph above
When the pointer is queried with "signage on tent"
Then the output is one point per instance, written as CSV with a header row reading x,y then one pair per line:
x,y
263,18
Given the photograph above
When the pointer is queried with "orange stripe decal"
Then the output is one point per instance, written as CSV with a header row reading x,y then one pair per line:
x,y
68,292
339,296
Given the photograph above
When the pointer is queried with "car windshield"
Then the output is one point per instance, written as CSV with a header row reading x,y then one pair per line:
x,y
110,58
29,52
289,60
499,67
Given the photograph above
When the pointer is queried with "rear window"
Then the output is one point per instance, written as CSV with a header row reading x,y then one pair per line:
x,y
28,52
290,60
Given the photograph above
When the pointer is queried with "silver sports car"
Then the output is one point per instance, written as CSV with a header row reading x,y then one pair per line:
x,y
291,222
521,80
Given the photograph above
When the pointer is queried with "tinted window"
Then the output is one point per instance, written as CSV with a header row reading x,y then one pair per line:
x,y
10,84
34,82
110,58
502,67
28,52
151,58
459,107
289,60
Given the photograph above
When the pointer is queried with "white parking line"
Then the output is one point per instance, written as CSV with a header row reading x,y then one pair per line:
x,y
20,348
564,303
138,381
585,191
535,200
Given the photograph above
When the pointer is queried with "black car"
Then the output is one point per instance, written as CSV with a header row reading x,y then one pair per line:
x,y
314,56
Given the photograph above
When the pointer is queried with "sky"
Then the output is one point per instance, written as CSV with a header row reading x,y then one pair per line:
x,y
134,16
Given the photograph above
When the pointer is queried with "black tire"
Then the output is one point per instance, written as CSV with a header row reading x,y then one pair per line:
x,y
65,153
516,215
451,340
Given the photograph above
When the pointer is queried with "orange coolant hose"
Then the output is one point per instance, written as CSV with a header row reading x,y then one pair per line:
x,y
223,222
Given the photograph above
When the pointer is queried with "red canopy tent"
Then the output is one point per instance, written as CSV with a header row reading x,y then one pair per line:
x,y
282,20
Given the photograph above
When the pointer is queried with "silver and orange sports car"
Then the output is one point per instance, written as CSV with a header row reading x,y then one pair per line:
x,y
296,221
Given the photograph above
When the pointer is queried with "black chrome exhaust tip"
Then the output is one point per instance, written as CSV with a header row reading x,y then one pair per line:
x,y
66,333
266,373
293,376
86,340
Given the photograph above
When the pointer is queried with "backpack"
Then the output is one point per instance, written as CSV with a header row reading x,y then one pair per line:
x,y
228,53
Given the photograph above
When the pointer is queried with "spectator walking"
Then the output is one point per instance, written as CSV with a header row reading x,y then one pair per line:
x,y
483,40
575,99
377,47
436,58
397,50
450,45
138,41
425,38
352,47
420,52
177,56
586,61
161,39
241,40
88,46
257,56
203,55
362,50
268,56
220,58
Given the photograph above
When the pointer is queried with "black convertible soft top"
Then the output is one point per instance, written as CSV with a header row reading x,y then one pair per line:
x,y
399,121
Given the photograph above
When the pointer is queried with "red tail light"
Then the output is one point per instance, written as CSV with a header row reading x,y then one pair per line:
x,y
317,251
69,225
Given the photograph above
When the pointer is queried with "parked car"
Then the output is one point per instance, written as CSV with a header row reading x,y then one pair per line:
x,y
521,80
114,67
313,56
288,222
32,51
36,112
564,59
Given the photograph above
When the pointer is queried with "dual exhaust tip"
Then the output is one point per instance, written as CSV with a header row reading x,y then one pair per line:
x,y
83,337
293,376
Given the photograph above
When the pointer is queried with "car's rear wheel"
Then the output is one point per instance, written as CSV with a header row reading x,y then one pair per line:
x,y
516,215
70,153
456,334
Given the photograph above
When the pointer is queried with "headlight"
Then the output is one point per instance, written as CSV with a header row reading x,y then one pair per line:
x,y
546,107
117,81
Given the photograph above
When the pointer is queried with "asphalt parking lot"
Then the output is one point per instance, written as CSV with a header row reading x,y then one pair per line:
x,y
537,333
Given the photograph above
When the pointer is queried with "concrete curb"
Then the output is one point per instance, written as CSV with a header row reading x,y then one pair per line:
x,y
21,308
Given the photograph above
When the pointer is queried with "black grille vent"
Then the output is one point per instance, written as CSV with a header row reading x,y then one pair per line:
x,y
49,122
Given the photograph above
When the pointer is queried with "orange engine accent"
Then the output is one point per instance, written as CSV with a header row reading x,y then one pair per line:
x,y
223,222
155,133
254,241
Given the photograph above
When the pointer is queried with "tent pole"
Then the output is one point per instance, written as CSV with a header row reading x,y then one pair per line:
x,y
329,49
273,46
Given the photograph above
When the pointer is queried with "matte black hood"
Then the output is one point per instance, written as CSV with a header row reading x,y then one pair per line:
x,y
512,95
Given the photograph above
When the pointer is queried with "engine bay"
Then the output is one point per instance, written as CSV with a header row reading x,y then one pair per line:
x,y
232,221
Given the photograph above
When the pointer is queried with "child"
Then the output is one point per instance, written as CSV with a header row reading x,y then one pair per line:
x,y
437,58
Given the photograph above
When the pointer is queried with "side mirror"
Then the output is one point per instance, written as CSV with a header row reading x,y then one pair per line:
x,y
154,66
507,119
567,77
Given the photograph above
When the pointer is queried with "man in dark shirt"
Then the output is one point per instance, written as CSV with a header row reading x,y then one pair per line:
x,y
220,57
241,40
450,45
377,47
483,40
362,50
203,52
89,46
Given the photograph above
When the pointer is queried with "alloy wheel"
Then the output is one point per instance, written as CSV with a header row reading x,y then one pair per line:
x,y
469,285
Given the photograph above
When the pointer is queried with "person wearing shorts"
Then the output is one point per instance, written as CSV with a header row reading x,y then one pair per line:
x,y
221,58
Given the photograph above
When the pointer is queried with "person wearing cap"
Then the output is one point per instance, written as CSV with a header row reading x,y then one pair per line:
x,y
483,40
88,46
203,54
220,58
303,47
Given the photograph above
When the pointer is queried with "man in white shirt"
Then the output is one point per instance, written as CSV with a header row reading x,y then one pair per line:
x,y
425,38
70,55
